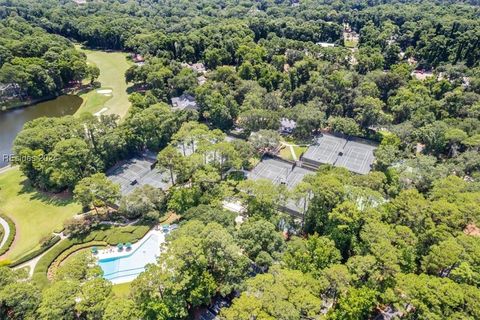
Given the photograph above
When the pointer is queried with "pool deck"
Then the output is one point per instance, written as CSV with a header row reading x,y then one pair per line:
x,y
113,252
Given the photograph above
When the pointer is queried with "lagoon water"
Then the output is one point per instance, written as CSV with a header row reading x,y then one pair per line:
x,y
12,121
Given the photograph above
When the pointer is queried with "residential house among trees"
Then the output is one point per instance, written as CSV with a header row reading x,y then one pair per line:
x,y
184,102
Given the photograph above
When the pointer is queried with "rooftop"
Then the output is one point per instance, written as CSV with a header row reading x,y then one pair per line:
x,y
287,125
184,102
197,67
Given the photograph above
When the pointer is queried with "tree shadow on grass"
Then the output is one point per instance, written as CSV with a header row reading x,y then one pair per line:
x,y
60,199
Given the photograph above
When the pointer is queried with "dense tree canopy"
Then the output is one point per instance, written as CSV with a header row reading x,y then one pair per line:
x,y
401,241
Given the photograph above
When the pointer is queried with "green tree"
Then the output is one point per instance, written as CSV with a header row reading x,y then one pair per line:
x,y
262,197
93,73
429,297
356,304
311,255
265,140
94,296
171,159
70,161
206,214
18,300
454,137
143,202
58,301
280,294
97,191
256,236
169,289
121,308
256,119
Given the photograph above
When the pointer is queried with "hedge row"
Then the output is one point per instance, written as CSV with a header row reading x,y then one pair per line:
x,y
105,234
113,236
65,254
48,244
11,236
41,269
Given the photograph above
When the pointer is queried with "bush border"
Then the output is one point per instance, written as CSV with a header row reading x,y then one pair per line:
x,y
11,236
53,241
40,273
2,232
67,253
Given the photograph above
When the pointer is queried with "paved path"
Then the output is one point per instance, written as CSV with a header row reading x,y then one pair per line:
x,y
7,231
7,168
294,156
292,151
33,262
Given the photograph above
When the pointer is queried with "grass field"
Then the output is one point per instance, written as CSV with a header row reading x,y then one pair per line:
x,y
92,102
35,214
122,290
286,153
112,67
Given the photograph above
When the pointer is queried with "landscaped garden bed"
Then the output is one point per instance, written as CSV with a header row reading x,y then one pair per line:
x,y
11,235
104,235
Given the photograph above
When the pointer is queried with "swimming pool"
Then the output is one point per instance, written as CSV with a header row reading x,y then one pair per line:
x,y
127,267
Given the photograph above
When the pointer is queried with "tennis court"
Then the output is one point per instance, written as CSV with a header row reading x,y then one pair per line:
x,y
136,172
279,172
325,150
357,157
354,154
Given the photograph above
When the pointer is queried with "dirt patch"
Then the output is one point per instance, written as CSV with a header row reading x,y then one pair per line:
x,y
472,230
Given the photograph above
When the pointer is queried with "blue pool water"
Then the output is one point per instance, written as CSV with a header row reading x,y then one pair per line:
x,y
128,267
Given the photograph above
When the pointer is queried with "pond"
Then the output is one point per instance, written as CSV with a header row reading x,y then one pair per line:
x,y
12,121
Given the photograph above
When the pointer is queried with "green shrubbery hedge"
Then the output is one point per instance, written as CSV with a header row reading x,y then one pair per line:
x,y
56,263
11,236
104,235
47,245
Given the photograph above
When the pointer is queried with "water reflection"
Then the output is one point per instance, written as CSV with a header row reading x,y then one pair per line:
x,y
12,121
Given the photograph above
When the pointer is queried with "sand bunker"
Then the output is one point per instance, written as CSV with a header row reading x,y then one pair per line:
x,y
104,91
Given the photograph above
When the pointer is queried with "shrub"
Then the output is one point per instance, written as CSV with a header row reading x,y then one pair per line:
x,y
65,254
47,244
11,236
102,235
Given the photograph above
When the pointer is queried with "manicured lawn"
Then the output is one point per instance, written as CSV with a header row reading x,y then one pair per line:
x,y
286,153
112,67
35,214
122,290
299,150
93,102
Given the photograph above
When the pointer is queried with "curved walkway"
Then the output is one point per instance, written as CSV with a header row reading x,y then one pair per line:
x,y
7,231
32,263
